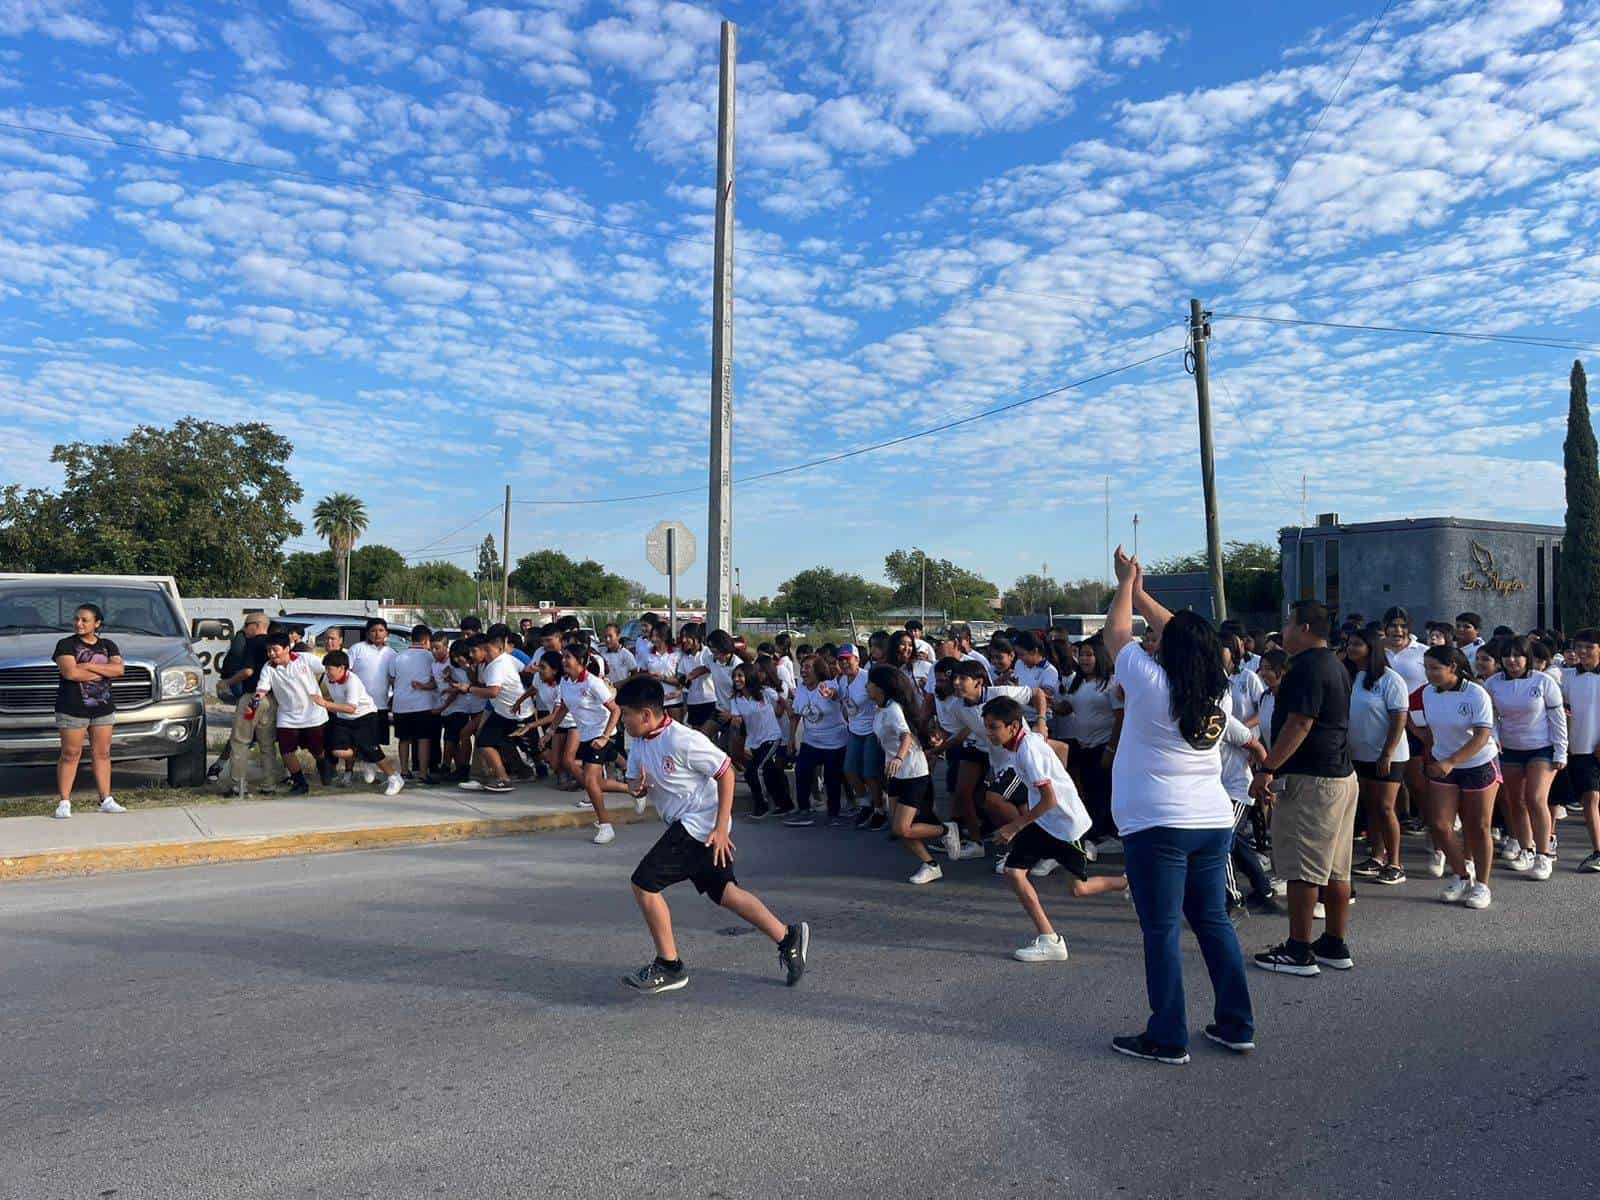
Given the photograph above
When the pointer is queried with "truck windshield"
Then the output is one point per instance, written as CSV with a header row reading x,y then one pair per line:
x,y
32,608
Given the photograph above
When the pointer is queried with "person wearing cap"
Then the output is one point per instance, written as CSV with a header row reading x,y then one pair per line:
x,y
863,758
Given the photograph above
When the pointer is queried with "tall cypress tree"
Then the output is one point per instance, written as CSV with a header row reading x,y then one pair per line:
x,y
1580,547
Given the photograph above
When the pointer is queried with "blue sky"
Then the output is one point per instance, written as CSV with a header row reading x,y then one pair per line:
x,y
943,206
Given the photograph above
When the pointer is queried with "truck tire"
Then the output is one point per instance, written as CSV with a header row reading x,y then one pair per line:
x,y
187,768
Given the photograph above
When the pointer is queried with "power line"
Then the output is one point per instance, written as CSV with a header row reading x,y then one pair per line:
x,y
1507,338
1326,108
875,446
493,508
545,214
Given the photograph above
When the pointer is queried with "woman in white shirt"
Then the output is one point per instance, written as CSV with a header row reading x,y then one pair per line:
x,y
1090,697
757,716
906,778
1175,817
1379,703
820,735
1533,747
1462,777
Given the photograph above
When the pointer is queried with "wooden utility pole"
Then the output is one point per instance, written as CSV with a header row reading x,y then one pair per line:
x,y
505,560
719,518
1199,334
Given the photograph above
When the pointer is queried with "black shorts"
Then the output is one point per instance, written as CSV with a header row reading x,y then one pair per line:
x,y
496,731
971,754
1474,779
605,755
1521,758
917,793
385,728
1035,844
1415,745
1584,772
677,856
359,734
416,726
1369,770
700,714
455,724
1008,787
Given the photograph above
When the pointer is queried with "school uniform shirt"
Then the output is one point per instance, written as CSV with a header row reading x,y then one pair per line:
x,y
1236,770
786,677
1411,665
821,719
1044,676
924,650
292,686
988,667
1246,689
1455,716
760,718
413,666
620,663
1157,777
971,717
921,674
1581,691
351,691
683,766
642,652
1530,712
546,697
586,699
722,682
375,666
1372,711
859,710
1471,650
702,690
1094,713
666,665
462,703
1037,764
502,674
889,726
1264,730
947,712
1251,663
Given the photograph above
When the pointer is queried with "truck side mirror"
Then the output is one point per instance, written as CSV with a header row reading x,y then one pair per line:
x,y
207,630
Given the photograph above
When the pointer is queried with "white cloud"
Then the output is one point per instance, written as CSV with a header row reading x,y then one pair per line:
x,y
64,20
150,192
329,15
250,38
1136,48
426,288
848,125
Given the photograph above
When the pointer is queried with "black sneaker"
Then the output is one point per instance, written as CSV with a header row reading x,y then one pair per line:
x,y
214,771
1140,1046
1390,876
325,772
1332,952
800,820
656,976
1263,906
1413,826
1368,868
757,814
879,821
864,816
298,786
1289,957
1239,1045
792,951
498,785
782,810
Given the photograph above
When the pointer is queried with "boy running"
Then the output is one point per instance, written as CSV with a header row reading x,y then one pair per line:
x,y
353,732
293,679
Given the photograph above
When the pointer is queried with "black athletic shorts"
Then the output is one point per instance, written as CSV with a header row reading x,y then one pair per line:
x,y
1584,772
1369,770
496,731
1035,844
917,792
1007,786
701,714
1415,744
604,756
385,729
677,856
359,734
454,724
966,753
415,726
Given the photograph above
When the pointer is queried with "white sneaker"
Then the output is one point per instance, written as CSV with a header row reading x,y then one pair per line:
x,y
369,773
1558,812
1044,868
952,840
969,850
1498,836
927,873
1436,864
1510,850
470,785
1522,862
1319,913
605,835
1543,868
393,786
63,810
1457,826
1477,896
1000,863
1456,890
1047,947
110,805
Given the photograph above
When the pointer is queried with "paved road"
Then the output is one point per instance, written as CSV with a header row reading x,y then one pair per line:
x,y
447,1021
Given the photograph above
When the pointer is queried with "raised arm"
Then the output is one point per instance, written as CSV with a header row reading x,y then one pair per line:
x,y
1119,617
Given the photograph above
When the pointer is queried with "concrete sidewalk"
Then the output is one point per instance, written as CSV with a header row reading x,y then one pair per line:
x,y
271,827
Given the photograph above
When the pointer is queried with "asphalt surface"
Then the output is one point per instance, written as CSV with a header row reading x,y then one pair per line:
x,y
448,1021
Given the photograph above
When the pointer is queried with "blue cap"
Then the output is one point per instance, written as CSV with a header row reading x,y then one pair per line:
x,y
846,651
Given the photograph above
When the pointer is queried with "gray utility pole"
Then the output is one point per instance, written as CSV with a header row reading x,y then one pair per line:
x,y
719,518
672,580
505,560
1199,334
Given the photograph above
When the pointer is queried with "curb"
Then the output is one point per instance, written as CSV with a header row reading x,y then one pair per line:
x,y
161,855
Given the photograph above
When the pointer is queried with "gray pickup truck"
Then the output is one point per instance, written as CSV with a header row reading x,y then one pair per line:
x,y
160,699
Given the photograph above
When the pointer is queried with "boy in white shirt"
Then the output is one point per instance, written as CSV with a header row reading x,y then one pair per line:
x,y
354,730
293,679
690,782
372,659
500,683
620,661
414,694
1049,827
591,704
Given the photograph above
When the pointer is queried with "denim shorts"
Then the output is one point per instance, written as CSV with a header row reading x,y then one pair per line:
x,y
863,758
1521,758
98,721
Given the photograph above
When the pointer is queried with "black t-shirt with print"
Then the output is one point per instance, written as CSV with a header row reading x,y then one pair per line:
x,y
90,697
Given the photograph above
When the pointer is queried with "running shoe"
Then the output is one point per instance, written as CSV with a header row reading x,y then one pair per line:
x,y
471,785
1140,1046
656,976
969,850
1319,913
759,814
1543,868
1413,826
1332,952
604,835
801,819
792,952
1590,865
214,771
1477,896
928,872
1263,906
1047,947
299,787
1000,863
1456,890
950,843
864,816
1289,958
369,773
393,786
1436,864
1367,868
879,821
1044,868
581,802
1558,812
343,779
110,805
1510,851
1552,850
1238,1043
63,810
1522,862
1390,876
498,786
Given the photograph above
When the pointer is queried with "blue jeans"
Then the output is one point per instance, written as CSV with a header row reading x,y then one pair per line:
x,y
1181,871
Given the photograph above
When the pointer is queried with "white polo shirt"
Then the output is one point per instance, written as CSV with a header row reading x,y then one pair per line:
x,y
620,663
414,666
760,718
1454,716
1035,764
682,766
859,710
505,675
351,691
376,668
586,701
292,686
1581,690
704,689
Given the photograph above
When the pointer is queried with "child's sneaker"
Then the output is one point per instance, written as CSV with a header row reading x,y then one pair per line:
x,y
1047,947
110,805
792,952
63,810
657,976
393,786
604,835
928,872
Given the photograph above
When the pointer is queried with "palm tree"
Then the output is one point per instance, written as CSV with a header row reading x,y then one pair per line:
x,y
341,518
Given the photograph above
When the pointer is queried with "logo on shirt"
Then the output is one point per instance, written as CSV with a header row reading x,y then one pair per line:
x,y
1465,710
668,766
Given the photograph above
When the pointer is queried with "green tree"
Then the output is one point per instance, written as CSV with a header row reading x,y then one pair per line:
x,y
1044,594
551,575
822,596
1579,584
310,575
1252,574
314,575
207,503
965,594
370,566
340,519
488,561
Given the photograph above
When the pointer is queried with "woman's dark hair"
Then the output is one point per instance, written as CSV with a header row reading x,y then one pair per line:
x,y
1192,658
752,681
898,641
895,684
1450,656
1377,657
1522,647
1027,643
879,641
94,611
1103,668
720,641
783,643
1234,645
767,672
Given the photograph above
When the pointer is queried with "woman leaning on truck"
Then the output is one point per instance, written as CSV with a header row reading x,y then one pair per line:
x,y
85,706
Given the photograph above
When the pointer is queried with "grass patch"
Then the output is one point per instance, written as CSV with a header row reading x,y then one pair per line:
x,y
149,796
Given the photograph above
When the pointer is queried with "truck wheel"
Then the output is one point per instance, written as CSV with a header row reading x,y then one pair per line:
x,y
187,768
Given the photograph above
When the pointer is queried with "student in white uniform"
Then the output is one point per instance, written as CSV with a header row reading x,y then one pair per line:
x,y
1533,746
1379,703
353,732
758,713
902,653
820,737
590,703
694,671
462,712
292,679
907,778
1468,637
690,782
863,757
661,664
1002,790
373,659
1580,685
413,701
620,661
1091,699
1049,829
500,684
1463,777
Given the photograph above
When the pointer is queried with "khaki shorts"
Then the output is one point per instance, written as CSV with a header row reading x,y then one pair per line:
x,y
1312,826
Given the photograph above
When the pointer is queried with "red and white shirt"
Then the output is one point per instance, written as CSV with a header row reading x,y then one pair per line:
x,y
682,766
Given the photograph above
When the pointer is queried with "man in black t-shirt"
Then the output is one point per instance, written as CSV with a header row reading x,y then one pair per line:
x,y
239,690
1315,804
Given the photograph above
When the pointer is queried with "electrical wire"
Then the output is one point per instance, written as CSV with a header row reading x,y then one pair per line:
x,y
493,508
1513,339
875,446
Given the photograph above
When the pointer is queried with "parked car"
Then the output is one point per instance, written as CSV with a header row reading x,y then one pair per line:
x,y
161,696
